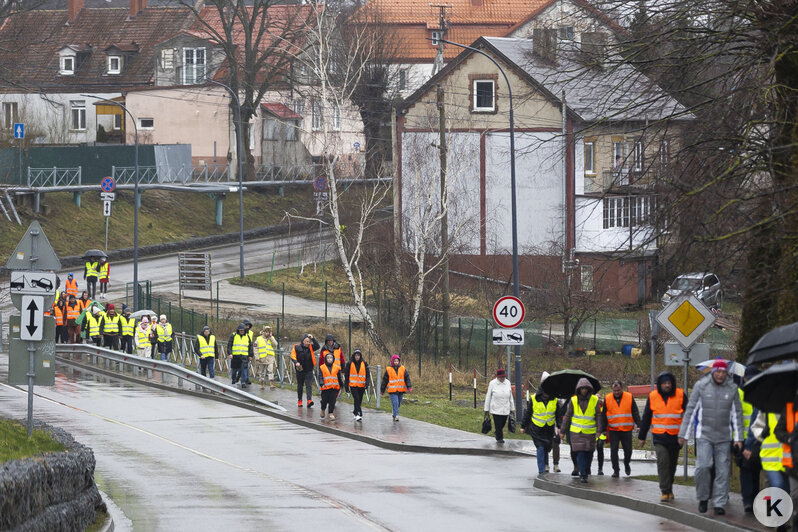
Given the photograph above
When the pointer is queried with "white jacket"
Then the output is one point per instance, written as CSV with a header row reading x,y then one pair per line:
x,y
499,399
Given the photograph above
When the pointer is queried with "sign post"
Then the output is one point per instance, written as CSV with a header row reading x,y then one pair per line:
x,y
686,318
108,185
32,291
19,133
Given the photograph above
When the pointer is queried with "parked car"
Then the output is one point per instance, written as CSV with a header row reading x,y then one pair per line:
x,y
703,285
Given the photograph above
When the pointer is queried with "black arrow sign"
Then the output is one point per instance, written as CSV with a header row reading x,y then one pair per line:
x,y
32,308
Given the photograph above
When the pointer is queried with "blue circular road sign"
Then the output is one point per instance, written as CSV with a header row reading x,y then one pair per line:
x,y
320,184
108,184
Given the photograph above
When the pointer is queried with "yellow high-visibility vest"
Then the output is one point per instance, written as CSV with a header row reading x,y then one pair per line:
x,y
584,422
206,347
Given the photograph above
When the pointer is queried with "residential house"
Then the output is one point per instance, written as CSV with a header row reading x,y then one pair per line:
x,y
575,199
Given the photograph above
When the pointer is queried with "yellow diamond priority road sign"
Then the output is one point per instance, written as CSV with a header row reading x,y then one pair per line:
x,y
686,318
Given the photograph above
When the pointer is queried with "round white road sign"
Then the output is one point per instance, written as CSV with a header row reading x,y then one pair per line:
x,y
508,312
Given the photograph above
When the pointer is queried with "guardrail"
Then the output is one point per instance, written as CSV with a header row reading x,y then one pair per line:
x,y
148,366
54,177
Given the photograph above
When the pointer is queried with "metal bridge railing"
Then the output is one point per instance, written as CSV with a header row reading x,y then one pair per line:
x,y
146,366
54,177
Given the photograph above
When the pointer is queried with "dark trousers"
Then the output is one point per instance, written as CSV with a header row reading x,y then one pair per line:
x,y
61,334
624,438
667,459
749,480
98,340
126,344
584,459
328,398
111,341
499,422
357,397
104,287
91,286
555,450
304,379
600,454
207,363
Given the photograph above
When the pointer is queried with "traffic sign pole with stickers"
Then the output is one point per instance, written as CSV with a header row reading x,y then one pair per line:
x,y
32,290
686,318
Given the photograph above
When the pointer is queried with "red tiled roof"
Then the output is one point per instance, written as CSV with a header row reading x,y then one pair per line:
x,y
34,62
281,111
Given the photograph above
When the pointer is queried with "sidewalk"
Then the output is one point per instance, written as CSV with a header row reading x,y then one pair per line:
x,y
643,496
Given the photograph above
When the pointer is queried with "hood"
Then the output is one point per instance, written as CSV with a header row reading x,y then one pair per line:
x,y
583,383
355,352
666,375
395,357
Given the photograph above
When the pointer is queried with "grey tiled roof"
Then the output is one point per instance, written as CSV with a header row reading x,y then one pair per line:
x,y
616,92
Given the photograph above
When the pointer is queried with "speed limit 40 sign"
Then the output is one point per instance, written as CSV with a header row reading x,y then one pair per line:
x,y
508,312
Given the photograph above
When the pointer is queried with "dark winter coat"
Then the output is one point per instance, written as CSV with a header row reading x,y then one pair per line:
x,y
541,436
668,440
347,369
304,355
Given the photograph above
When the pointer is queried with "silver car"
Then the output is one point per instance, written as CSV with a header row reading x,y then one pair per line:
x,y
704,285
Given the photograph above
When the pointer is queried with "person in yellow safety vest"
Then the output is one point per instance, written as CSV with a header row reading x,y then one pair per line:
x,y
750,469
90,273
73,311
239,350
621,416
396,381
265,359
71,285
142,338
111,327
582,422
91,324
128,330
330,382
105,276
251,336
207,350
764,429
784,430
164,333
356,373
539,422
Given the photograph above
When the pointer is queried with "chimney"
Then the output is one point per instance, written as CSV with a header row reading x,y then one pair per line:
x,y
544,44
74,7
136,7
594,49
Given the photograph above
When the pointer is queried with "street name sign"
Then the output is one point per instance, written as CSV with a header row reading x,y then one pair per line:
x,y
508,337
686,318
508,312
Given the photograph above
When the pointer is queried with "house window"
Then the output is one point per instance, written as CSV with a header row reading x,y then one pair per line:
x,y
664,153
299,107
114,64
435,37
193,66
78,108
146,123
638,156
317,117
618,154
566,33
336,118
402,79
117,122
10,116
586,272
68,65
167,59
590,157
484,98
620,211
251,136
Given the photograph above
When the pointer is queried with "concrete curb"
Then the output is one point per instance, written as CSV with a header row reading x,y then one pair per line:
x,y
393,446
662,510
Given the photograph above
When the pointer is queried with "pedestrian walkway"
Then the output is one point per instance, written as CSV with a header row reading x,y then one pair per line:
x,y
643,496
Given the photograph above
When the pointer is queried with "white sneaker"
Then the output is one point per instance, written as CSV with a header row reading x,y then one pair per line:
x,y
396,418
332,417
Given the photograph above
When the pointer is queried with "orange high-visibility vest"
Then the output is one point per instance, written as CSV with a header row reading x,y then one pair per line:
x,y
619,417
59,315
666,417
786,449
396,380
357,378
73,313
71,288
330,377
84,304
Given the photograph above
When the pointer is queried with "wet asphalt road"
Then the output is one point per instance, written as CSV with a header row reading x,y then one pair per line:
x,y
174,462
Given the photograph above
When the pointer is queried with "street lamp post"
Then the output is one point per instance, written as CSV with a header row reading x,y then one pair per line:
x,y
516,289
135,200
240,179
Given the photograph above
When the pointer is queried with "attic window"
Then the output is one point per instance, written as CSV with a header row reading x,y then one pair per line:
x,y
484,97
566,33
114,64
67,65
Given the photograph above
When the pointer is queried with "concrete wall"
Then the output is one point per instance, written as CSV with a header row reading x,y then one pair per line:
x,y
54,491
591,236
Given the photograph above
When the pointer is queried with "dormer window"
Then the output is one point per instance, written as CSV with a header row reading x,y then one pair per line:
x,y
114,64
67,65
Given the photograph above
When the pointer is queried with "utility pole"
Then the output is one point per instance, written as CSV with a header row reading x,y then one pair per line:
x,y
397,227
438,64
444,221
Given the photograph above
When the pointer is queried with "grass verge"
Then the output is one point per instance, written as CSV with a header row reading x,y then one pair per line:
x,y
14,442
99,522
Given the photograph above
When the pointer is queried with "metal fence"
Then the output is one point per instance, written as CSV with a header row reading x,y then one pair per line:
x,y
54,177
125,175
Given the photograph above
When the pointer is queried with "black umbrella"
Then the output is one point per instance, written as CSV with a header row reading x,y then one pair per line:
x,y
773,388
98,253
562,384
778,344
